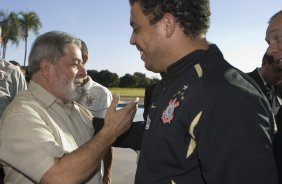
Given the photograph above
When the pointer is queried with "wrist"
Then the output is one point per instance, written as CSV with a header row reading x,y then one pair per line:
x,y
107,135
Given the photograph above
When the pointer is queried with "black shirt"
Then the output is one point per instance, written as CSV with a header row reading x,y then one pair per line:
x,y
206,124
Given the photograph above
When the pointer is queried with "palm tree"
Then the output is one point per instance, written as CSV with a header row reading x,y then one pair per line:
x,y
29,21
10,29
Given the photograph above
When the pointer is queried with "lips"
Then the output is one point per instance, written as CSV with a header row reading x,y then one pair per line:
x,y
141,53
140,50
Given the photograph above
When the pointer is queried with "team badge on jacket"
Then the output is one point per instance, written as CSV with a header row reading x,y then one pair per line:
x,y
168,113
89,100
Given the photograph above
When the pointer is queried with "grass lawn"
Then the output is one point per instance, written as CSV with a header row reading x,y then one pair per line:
x,y
129,92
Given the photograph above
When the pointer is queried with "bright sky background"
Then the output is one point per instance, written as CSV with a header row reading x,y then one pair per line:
x,y
237,27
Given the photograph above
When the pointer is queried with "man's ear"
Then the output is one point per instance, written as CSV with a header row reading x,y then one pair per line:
x,y
84,58
170,24
45,68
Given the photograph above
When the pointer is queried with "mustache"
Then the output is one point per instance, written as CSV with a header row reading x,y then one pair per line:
x,y
138,48
80,80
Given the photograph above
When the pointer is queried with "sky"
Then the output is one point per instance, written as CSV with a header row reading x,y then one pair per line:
x,y
237,27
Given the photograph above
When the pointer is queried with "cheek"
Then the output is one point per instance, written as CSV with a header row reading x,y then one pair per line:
x,y
279,45
65,78
72,73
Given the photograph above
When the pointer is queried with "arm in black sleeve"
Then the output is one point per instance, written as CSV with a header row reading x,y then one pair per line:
x,y
132,138
98,124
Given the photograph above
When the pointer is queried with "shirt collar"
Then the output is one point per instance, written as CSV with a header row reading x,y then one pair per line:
x,y
264,82
42,95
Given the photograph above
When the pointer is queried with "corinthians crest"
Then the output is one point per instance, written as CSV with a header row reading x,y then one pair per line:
x,y
168,113
89,100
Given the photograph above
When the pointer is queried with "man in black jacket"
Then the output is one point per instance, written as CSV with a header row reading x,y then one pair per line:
x,y
267,78
274,39
206,123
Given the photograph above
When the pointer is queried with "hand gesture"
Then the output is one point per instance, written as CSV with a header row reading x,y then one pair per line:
x,y
118,121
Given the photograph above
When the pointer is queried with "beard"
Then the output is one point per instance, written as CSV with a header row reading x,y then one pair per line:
x,y
67,88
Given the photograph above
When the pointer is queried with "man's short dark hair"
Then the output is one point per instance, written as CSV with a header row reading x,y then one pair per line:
x,y
84,48
193,15
50,46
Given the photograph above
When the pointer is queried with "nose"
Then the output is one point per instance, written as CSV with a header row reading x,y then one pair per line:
x,y
272,48
275,50
82,71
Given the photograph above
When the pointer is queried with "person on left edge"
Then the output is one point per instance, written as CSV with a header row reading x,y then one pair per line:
x,y
12,81
97,99
45,136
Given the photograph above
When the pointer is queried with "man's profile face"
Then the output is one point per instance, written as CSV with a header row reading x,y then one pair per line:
x,y
68,75
148,39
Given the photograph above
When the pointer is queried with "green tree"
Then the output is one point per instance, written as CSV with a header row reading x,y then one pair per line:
x,y
10,29
29,21
104,77
127,81
93,74
108,78
141,81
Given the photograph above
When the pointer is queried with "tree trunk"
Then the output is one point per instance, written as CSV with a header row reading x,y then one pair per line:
x,y
25,49
4,51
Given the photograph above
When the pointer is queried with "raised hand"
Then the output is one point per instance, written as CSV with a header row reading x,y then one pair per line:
x,y
118,121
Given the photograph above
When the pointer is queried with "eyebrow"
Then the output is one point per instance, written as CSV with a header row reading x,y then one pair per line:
x,y
74,59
